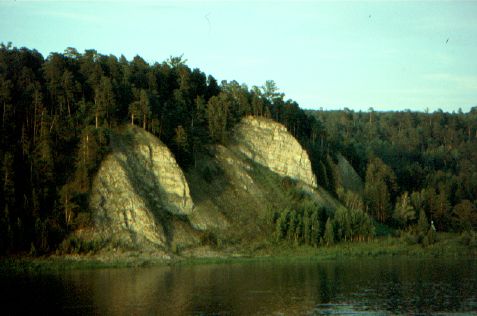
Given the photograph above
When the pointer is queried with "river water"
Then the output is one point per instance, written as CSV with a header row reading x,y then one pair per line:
x,y
385,286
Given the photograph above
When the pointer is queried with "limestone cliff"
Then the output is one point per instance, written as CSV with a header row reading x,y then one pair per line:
x,y
138,191
141,198
235,187
269,144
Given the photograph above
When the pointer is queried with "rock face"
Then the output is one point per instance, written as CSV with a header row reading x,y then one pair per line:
x,y
141,199
138,190
269,144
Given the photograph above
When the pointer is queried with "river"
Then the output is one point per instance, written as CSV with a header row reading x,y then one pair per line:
x,y
354,287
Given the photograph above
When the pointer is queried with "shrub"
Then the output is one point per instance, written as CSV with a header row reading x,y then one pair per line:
x,y
209,172
208,238
468,238
177,248
432,236
329,236
288,183
83,220
409,238
75,245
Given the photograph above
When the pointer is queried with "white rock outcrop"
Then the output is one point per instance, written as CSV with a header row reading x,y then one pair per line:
x,y
271,145
137,189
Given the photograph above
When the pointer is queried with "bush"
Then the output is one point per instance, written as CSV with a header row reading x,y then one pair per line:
x,y
209,238
288,183
210,172
297,194
432,236
410,238
329,236
469,238
415,236
207,174
383,230
425,241
177,248
75,245
69,245
83,220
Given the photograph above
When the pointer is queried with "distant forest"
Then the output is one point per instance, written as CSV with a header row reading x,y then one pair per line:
x,y
58,113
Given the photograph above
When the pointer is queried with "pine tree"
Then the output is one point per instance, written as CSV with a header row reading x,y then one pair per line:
x,y
282,225
292,225
315,227
104,100
404,211
422,224
379,187
144,107
329,235
66,194
307,226
217,114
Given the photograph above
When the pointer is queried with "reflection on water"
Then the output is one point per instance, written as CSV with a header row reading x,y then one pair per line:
x,y
368,286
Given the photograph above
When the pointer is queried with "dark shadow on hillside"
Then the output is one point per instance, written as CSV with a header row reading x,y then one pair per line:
x,y
207,180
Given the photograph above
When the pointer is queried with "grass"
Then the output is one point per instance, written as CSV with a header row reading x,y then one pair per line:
x,y
111,259
448,245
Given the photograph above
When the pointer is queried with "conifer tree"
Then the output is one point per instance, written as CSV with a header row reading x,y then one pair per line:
x,y
329,235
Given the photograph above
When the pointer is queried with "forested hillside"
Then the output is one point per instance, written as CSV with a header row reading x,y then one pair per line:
x,y
411,162
58,112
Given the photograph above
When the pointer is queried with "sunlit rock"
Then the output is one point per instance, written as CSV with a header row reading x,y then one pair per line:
x,y
138,190
271,145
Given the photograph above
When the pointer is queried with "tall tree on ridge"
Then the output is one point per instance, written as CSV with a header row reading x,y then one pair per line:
x,y
104,100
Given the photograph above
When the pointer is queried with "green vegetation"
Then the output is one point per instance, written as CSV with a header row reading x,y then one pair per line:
x,y
447,245
410,161
58,115
312,225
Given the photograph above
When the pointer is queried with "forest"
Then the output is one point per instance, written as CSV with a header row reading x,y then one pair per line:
x,y
58,113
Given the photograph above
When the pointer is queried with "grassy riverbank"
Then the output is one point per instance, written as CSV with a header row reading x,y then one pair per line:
x,y
447,245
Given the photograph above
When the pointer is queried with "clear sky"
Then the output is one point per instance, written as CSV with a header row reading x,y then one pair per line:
x,y
381,54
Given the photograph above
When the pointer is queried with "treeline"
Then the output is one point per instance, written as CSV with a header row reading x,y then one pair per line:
x,y
410,162
58,114
304,222
315,226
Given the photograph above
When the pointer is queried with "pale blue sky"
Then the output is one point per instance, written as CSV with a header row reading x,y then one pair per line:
x,y
380,54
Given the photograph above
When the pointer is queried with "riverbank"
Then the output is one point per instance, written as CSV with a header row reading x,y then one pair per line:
x,y
447,245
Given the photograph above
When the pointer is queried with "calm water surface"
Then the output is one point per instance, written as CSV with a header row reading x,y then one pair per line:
x,y
352,287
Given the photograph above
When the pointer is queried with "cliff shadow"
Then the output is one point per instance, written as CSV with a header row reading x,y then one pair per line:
x,y
207,179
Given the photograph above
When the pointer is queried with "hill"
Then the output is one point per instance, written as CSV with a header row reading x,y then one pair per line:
x,y
63,117
142,201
